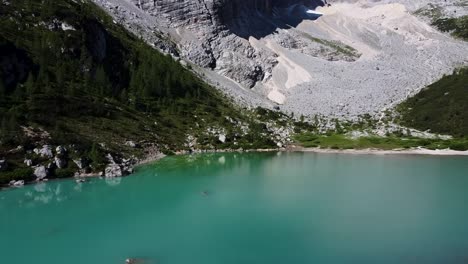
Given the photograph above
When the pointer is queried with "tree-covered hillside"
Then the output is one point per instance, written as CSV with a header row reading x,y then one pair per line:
x,y
458,26
441,107
70,75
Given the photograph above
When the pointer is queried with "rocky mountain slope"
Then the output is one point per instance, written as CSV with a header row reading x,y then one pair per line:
x,y
79,93
335,59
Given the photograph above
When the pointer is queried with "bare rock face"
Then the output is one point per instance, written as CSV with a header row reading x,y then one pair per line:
x,y
360,57
215,33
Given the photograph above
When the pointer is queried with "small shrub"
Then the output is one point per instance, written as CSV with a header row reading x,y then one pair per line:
x,y
64,173
25,174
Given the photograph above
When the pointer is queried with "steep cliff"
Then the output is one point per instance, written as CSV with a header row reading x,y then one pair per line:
x,y
339,58
215,33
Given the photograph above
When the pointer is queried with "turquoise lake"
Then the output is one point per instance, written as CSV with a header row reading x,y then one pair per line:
x,y
247,208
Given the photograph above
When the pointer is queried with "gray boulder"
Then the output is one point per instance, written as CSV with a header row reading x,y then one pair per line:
x,y
17,183
45,151
40,172
222,138
113,170
60,162
28,162
60,150
131,144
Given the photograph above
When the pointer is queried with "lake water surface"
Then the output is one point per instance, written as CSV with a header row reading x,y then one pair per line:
x,y
248,208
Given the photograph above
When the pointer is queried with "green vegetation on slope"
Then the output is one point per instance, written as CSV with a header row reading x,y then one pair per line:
x,y
340,141
442,107
69,75
457,26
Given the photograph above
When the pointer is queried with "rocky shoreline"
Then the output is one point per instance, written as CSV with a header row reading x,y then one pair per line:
x,y
126,168
415,151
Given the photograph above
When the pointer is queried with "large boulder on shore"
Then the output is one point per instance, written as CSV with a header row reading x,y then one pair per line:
x,y
113,170
40,172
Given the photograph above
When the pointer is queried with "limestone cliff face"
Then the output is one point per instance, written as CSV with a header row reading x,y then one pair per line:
x,y
219,13
215,33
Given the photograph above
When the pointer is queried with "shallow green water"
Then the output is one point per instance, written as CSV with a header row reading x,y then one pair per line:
x,y
260,208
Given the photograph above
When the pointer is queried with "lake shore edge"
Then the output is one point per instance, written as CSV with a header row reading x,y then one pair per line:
x,y
372,151
369,151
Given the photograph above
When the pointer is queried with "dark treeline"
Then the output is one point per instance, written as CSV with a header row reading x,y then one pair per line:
x,y
61,59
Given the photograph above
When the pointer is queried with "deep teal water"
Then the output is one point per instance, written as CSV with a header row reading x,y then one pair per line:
x,y
260,208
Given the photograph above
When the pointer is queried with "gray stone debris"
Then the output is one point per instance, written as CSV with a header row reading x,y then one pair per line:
x,y
112,171
360,57
45,151
117,168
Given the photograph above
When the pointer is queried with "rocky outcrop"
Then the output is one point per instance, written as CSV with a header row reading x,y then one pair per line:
x,y
60,162
14,183
118,168
40,172
112,171
215,33
45,151
360,57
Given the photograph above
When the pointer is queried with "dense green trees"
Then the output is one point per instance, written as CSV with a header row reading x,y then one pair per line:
x,y
85,79
442,107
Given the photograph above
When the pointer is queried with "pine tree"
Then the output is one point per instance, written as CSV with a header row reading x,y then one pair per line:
x,y
2,90
96,156
29,85
19,93
102,80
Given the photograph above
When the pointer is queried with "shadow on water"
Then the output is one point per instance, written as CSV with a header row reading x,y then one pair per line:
x,y
252,21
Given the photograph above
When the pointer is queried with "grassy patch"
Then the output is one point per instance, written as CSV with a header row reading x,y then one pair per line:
x,y
339,141
458,26
337,46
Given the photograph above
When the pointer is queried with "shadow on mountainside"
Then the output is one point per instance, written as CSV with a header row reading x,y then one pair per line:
x,y
257,24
